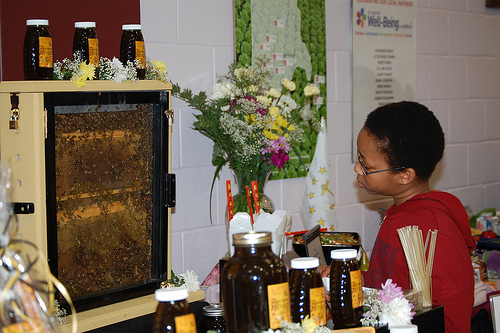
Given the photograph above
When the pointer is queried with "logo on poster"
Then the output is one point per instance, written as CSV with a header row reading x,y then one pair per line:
x,y
361,17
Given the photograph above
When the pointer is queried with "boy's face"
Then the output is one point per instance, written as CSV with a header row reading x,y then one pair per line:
x,y
383,183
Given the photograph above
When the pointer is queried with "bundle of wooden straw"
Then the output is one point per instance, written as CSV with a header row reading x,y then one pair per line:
x,y
419,267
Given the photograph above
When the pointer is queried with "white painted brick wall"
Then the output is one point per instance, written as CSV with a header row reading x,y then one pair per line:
x,y
458,77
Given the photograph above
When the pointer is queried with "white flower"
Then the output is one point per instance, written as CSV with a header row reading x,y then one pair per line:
x,y
190,280
287,104
222,90
397,312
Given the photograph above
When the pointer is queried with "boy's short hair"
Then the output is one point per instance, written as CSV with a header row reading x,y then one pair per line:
x,y
409,135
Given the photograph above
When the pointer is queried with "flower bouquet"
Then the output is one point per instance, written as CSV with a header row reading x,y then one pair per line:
x,y
253,126
387,306
80,71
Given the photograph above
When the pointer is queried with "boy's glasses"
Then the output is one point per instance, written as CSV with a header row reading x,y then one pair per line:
x,y
367,173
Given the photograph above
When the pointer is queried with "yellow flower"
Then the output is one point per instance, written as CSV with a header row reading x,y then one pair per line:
x,y
290,85
160,66
311,90
85,71
250,118
270,135
239,72
264,100
274,111
252,88
308,324
273,93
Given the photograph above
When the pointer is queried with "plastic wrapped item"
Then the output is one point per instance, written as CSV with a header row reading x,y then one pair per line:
x,y
27,294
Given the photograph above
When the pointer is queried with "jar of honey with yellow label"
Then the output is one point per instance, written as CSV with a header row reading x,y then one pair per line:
x,y
307,293
86,44
132,48
173,314
38,54
254,285
346,287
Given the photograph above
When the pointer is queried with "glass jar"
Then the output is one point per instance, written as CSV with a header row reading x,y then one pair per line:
x,y
132,48
213,319
346,285
86,43
38,54
173,313
307,293
254,285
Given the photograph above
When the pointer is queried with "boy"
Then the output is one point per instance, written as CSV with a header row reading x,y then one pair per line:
x,y
398,149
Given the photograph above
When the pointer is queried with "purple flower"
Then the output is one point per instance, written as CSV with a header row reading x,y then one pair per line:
x,y
390,291
279,152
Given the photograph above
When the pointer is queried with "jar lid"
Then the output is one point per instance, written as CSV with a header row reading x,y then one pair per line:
x,y
404,329
37,22
304,263
84,24
131,27
344,254
213,310
252,238
171,294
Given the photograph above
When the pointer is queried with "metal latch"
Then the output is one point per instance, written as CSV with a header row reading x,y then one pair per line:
x,y
14,112
23,207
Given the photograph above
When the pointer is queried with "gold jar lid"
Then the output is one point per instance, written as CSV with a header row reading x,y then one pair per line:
x,y
252,238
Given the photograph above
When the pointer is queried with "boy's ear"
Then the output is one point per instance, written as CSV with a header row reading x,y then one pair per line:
x,y
407,176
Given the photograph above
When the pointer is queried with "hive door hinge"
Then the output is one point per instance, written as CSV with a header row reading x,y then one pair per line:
x,y
170,190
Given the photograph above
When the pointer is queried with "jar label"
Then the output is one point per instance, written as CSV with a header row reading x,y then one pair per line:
x,y
45,52
278,298
356,289
140,54
94,52
317,305
185,324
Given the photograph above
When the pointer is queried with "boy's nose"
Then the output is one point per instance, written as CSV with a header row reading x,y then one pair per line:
x,y
358,169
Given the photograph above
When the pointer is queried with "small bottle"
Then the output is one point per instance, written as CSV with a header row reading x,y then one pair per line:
x,y
404,329
173,313
132,47
254,285
213,319
346,289
86,43
38,54
307,293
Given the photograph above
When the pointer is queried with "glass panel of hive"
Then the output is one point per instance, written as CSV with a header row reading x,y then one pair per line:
x,y
104,174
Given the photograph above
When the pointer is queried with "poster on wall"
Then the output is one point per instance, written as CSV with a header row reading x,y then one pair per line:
x,y
293,34
383,56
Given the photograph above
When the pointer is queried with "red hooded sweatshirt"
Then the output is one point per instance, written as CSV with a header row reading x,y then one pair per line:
x,y
452,274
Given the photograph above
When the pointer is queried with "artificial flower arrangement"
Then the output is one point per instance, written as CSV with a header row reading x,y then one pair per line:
x,y
80,71
253,126
386,306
